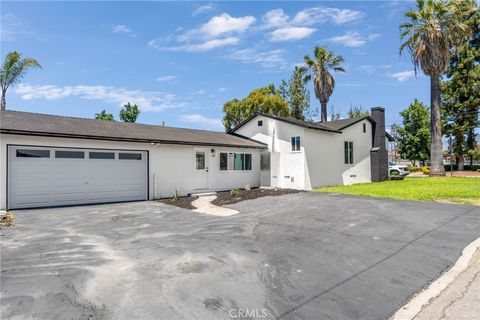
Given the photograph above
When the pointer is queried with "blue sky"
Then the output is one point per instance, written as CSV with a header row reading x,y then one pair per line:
x,y
180,61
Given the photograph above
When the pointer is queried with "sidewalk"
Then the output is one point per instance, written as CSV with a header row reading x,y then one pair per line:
x,y
460,300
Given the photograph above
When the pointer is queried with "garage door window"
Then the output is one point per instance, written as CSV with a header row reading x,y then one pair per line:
x,y
24,153
69,154
102,155
130,156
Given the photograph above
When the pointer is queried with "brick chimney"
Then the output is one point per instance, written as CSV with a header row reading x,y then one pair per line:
x,y
379,153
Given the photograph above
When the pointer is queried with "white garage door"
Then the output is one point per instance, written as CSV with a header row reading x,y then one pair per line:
x,y
44,177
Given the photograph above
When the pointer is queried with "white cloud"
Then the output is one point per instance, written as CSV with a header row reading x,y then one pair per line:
x,y
220,31
121,28
201,91
353,39
266,59
198,118
291,33
402,76
222,89
371,69
225,23
203,9
146,100
275,18
167,78
13,27
296,28
198,47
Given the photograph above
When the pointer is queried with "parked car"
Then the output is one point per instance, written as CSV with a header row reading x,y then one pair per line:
x,y
398,170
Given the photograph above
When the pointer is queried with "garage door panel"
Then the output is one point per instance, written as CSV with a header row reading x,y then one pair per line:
x,y
37,182
33,183
32,200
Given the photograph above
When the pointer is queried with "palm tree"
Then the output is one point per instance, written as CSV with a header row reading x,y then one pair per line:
x,y
13,70
323,82
431,32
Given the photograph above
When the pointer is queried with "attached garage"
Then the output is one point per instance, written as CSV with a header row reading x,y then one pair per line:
x,y
44,177
48,161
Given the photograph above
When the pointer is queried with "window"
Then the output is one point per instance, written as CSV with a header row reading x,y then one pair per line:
x,y
235,161
265,161
23,153
101,155
364,127
348,152
239,160
69,154
248,161
200,160
130,156
260,123
223,161
296,143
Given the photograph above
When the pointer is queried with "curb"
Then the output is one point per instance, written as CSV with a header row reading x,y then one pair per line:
x,y
422,298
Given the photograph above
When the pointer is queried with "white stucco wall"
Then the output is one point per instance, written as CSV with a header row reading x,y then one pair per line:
x,y
320,162
325,156
288,167
170,166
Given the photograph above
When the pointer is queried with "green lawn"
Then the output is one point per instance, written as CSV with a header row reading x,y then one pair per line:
x,y
441,189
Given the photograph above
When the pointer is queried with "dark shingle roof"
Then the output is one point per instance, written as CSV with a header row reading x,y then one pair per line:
x,y
344,123
59,126
301,123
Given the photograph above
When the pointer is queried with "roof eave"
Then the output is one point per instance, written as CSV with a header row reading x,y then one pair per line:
x,y
123,139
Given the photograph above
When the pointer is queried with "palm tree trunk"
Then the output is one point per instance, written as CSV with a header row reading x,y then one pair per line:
x,y
436,150
4,102
324,111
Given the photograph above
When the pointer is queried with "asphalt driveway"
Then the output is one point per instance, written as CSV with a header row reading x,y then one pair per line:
x,y
299,256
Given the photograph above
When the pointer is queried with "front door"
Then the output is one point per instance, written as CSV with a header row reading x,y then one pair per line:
x,y
200,169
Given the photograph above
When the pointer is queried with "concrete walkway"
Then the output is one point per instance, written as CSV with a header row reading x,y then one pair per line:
x,y
204,205
461,299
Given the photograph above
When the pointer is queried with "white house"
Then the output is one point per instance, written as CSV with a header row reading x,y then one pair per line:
x,y
48,160
304,155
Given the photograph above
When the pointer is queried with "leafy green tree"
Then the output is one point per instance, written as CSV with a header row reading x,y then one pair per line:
x,y
334,115
431,32
129,113
357,112
413,137
323,82
104,116
12,72
461,94
265,99
295,92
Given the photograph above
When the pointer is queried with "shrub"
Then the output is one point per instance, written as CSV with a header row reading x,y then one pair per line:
x,y
466,167
426,170
176,194
234,193
413,169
